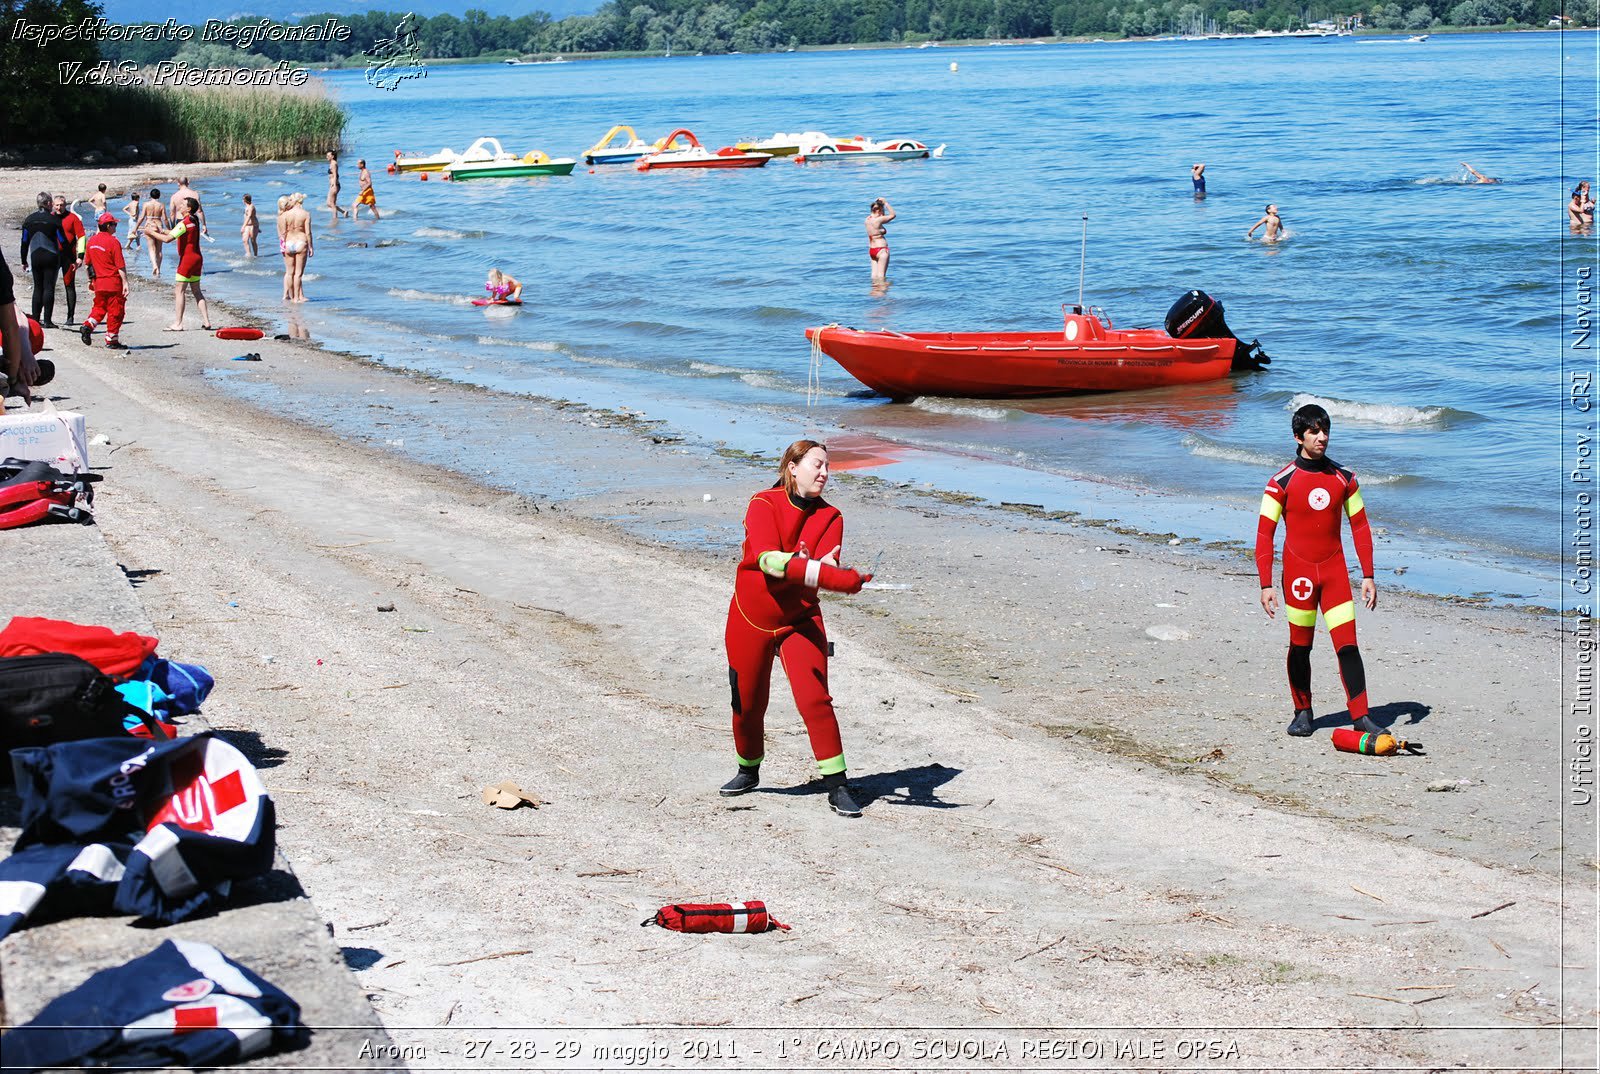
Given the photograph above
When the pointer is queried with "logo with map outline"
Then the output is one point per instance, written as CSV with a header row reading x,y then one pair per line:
x,y
397,58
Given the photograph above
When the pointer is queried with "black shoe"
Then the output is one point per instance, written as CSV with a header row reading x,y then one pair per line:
x,y
51,324
116,345
746,781
1367,727
842,802
1300,726
85,331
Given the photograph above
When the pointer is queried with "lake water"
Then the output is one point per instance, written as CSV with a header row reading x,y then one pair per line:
x,y
1423,311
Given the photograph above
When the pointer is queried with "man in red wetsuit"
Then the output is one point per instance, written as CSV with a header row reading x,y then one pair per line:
x,y
190,262
792,541
72,254
1309,495
109,275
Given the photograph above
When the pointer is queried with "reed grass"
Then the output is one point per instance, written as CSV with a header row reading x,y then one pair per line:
x,y
226,122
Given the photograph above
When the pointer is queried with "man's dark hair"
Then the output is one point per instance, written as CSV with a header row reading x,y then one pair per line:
x,y
1311,418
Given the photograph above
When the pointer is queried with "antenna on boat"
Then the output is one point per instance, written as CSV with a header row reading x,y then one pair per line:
x,y
1083,253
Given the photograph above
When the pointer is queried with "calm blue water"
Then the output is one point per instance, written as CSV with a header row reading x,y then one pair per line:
x,y
1422,311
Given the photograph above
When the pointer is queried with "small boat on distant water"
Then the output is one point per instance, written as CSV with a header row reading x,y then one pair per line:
x,y
498,164
482,149
695,155
860,147
781,144
604,152
1086,355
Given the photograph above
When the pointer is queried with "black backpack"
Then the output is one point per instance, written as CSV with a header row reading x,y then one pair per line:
x,y
58,697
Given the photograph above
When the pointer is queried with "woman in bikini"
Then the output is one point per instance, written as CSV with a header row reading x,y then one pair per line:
x,y
878,240
297,245
154,217
283,207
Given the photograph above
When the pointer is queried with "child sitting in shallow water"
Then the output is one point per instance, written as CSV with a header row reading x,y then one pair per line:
x,y
503,288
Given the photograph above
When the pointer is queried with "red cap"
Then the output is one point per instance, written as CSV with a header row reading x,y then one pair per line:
x,y
106,218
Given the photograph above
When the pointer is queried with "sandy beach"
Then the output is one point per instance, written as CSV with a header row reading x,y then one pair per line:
x,y
1083,815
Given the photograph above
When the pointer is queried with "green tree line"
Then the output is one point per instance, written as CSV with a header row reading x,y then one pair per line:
x,y
721,26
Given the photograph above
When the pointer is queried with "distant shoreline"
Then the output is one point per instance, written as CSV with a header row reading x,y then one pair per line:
x,y
545,59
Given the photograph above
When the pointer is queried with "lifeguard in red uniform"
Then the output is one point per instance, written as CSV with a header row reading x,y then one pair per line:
x,y
792,542
1310,495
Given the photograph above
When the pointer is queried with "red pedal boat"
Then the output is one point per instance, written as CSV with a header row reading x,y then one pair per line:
x,y
1085,355
695,155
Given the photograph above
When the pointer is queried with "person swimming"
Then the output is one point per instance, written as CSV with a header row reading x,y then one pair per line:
x,y
1274,226
1477,175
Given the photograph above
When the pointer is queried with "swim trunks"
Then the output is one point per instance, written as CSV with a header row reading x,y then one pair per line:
x,y
367,198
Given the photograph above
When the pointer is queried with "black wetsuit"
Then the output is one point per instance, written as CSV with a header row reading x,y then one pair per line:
x,y
43,247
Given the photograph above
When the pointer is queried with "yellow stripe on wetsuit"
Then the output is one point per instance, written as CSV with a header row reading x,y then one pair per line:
x,y
1354,505
1271,509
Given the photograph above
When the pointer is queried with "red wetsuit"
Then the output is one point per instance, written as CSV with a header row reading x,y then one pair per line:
x,y
1310,497
189,260
104,256
781,616
72,228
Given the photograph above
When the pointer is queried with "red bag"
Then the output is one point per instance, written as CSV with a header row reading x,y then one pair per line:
x,y
715,917
115,654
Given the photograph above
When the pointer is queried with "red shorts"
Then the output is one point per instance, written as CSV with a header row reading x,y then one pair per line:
x,y
189,268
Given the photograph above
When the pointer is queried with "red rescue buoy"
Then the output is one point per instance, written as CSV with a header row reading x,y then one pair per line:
x,y
35,335
240,333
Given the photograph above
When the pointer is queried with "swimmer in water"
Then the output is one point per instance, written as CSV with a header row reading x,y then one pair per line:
x,y
1274,226
879,214
1580,210
1476,174
1197,175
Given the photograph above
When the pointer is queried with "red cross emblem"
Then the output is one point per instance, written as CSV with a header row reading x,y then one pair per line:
x,y
1301,588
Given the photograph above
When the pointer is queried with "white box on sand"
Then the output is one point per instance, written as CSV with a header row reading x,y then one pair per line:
x,y
57,437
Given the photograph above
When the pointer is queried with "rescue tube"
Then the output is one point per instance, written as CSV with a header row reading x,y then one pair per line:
x,y
35,335
240,333
497,302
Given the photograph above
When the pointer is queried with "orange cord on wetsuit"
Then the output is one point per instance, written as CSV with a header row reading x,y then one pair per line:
x,y
1309,497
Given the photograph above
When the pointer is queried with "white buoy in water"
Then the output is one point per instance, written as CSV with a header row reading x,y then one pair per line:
x,y
954,66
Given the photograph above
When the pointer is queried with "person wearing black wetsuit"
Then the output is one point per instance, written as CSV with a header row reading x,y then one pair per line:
x,y
43,248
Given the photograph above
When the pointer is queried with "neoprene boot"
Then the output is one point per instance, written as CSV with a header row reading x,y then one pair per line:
x,y
1300,726
840,799
748,779
1367,727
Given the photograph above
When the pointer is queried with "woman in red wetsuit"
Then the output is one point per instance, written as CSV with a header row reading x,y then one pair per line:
x,y
792,541
186,233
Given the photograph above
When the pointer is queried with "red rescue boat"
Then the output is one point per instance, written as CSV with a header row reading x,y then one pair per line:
x,y
695,155
1085,355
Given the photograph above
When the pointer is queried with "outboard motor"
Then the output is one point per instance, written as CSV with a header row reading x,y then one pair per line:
x,y
1199,316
